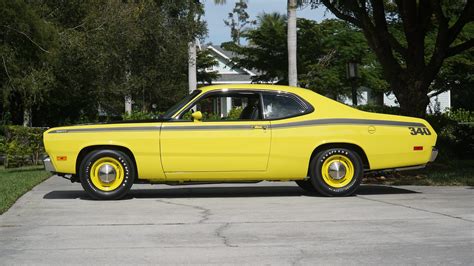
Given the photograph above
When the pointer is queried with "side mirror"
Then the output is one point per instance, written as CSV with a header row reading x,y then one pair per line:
x,y
197,116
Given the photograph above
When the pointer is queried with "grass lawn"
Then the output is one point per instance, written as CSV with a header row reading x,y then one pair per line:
x,y
452,173
16,182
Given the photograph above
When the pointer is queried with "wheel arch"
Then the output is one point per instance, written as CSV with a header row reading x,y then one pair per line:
x,y
86,150
350,146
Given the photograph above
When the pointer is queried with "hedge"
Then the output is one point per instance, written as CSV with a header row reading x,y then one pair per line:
x,y
21,145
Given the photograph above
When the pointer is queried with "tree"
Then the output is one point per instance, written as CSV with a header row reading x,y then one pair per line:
x,y
205,61
267,50
291,41
195,16
292,58
26,49
238,23
74,61
397,32
457,76
322,66
324,55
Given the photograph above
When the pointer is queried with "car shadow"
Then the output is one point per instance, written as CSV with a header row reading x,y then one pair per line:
x,y
226,192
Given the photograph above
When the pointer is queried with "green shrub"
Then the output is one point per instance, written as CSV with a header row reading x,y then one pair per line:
x,y
455,130
23,146
380,109
140,115
234,113
2,140
461,115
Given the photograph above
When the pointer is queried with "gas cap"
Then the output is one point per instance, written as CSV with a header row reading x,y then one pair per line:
x,y
372,129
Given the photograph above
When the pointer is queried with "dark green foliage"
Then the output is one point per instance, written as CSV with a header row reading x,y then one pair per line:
x,y
23,146
204,61
75,61
267,51
324,49
412,40
455,134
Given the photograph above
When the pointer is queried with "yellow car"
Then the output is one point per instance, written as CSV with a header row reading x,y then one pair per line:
x,y
241,133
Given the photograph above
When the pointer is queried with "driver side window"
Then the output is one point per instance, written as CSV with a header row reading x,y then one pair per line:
x,y
227,106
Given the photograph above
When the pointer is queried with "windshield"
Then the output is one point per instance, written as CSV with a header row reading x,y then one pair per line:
x,y
175,108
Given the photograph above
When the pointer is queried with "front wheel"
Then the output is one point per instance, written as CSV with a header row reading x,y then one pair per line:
x,y
336,172
107,174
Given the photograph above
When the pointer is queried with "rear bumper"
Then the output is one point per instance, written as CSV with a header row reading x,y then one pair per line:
x,y
434,154
48,165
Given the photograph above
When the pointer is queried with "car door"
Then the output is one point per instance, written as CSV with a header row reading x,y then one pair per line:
x,y
231,137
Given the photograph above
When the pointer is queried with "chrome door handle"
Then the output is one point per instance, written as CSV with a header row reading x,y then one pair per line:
x,y
259,127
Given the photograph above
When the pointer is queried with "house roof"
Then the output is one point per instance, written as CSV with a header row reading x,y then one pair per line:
x,y
234,74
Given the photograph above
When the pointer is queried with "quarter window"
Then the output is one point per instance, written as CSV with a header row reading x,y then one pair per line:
x,y
281,105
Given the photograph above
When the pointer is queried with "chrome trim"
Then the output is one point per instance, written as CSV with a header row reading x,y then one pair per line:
x,y
48,165
434,154
211,127
104,129
409,168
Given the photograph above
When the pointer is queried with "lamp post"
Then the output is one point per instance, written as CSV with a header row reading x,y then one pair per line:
x,y
352,73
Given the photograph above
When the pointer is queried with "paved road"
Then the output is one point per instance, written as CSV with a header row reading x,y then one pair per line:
x,y
265,223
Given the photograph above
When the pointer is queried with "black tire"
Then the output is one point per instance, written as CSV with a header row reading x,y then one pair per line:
x,y
129,174
319,182
306,185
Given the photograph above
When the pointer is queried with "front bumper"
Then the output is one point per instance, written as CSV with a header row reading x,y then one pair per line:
x,y
48,165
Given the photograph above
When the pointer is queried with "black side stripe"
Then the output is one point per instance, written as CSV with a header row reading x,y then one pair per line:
x,y
348,121
316,122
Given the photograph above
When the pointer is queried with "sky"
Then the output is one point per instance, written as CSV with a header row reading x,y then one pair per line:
x,y
215,15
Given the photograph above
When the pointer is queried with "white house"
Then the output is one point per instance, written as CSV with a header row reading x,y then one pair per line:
x,y
438,103
228,72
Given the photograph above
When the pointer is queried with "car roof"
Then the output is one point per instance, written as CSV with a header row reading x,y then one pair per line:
x,y
269,87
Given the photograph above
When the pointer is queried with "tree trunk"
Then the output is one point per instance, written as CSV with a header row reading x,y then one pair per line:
x,y
292,69
128,104
27,117
192,75
412,97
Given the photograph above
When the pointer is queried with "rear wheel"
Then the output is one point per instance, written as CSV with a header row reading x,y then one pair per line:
x,y
107,174
336,172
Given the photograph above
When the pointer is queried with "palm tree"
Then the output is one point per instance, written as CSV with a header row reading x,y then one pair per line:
x,y
291,35
192,69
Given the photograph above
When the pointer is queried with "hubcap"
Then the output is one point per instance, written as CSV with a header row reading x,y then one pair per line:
x,y
107,173
337,170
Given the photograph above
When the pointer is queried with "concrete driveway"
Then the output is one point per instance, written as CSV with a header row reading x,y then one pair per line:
x,y
265,223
